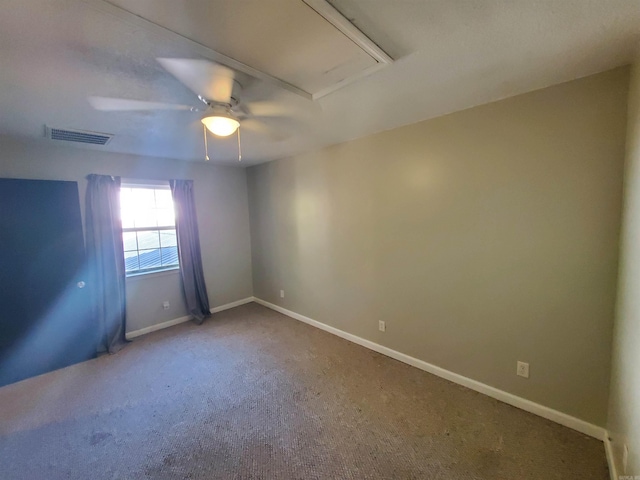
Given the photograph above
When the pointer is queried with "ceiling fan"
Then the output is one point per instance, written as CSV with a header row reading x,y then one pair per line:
x,y
219,91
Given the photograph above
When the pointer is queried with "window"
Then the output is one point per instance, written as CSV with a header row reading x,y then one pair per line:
x,y
149,228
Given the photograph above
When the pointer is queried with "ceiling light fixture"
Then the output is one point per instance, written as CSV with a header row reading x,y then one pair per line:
x,y
221,122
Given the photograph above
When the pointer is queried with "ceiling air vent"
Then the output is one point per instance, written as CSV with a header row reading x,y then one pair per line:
x,y
78,136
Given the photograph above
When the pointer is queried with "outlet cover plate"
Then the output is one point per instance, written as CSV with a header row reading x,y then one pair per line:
x,y
522,369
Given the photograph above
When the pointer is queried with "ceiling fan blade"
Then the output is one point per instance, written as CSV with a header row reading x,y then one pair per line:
x,y
262,128
207,79
267,109
107,104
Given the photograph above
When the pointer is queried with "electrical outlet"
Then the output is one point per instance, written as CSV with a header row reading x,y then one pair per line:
x,y
625,458
523,369
382,326
281,293
165,305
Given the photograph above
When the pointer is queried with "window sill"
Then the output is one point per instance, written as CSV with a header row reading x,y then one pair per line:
x,y
153,274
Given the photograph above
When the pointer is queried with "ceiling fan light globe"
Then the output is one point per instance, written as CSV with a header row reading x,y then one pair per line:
x,y
221,126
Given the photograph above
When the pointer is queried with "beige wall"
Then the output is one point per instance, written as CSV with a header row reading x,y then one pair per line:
x,y
624,405
221,203
483,237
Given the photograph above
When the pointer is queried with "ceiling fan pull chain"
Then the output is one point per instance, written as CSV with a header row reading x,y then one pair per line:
x,y
239,147
206,146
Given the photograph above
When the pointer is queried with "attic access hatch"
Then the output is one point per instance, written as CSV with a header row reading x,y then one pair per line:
x,y
304,44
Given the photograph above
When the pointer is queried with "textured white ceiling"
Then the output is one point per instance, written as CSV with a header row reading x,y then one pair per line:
x,y
450,55
295,44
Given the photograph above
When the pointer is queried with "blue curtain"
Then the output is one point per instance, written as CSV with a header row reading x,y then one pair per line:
x,y
193,284
106,260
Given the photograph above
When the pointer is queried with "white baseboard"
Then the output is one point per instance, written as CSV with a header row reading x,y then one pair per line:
x,y
608,448
519,402
157,326
237,303
176,321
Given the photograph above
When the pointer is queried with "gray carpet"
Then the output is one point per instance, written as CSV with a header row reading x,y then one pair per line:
x,y
255,394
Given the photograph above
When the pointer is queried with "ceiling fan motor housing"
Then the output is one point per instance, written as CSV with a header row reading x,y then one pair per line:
x,y
234,99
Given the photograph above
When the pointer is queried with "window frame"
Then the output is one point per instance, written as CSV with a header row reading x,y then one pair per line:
x,y
155,185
